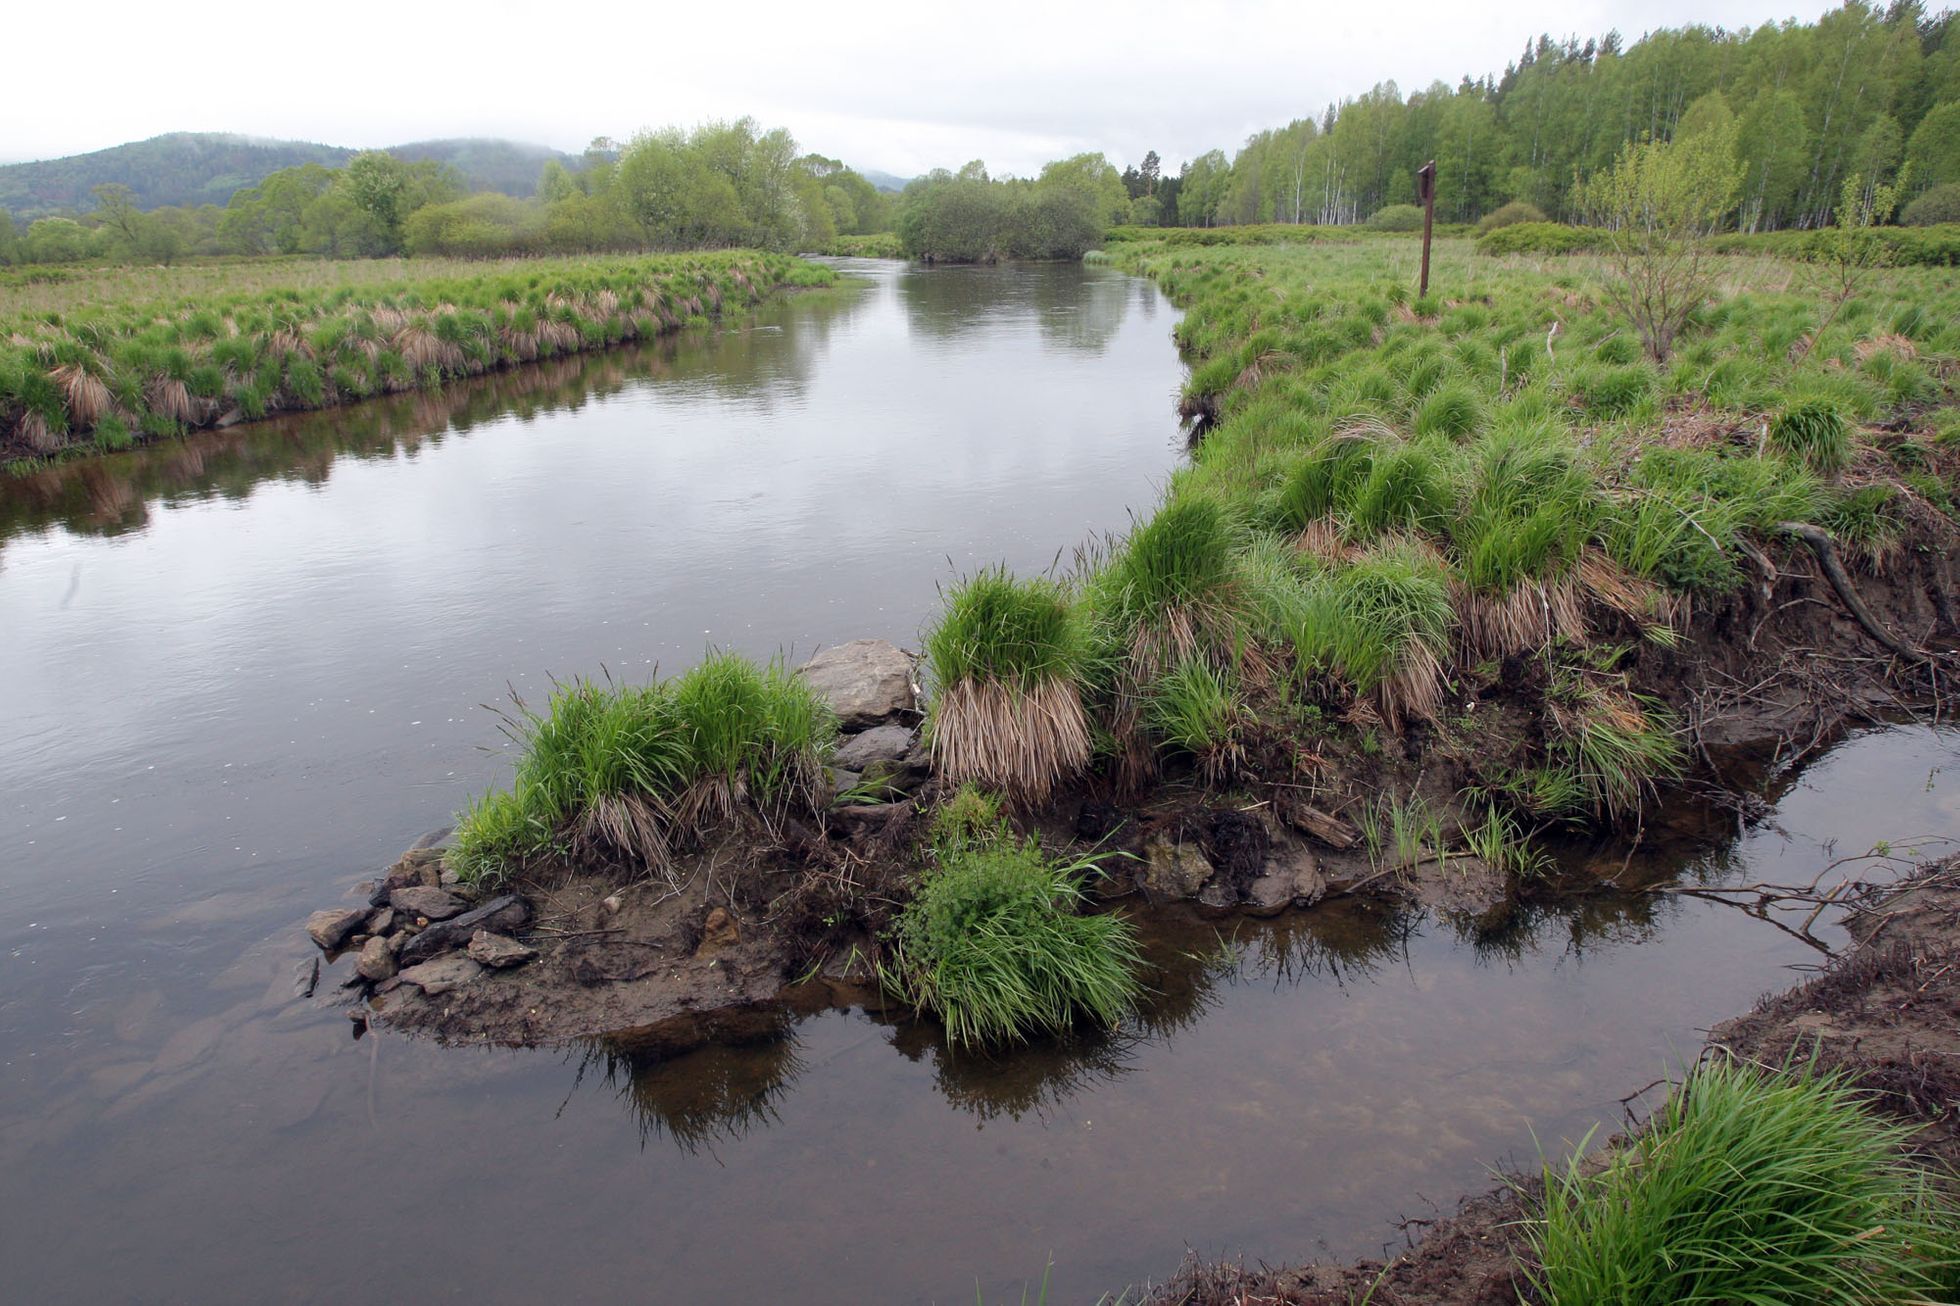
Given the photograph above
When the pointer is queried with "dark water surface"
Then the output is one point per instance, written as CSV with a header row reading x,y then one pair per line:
x,y
243,671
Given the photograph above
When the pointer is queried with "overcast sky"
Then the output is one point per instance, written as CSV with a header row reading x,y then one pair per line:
x,y
898,87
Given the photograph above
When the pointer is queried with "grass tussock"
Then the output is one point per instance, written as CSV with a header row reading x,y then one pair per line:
x,y
1748,1186
995,944
622,775
1008,656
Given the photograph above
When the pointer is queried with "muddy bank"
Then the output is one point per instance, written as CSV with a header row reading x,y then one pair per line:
x,y
1883,1014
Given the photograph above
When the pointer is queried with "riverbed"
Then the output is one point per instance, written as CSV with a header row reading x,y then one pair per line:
x,y
247,668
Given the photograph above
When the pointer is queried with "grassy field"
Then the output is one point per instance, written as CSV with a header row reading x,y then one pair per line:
x,y
1393,497
103,359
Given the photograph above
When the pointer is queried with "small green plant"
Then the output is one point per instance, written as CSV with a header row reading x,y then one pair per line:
x,y
1747,1186
1198,709
1616,746
969,818
1816,432
994,944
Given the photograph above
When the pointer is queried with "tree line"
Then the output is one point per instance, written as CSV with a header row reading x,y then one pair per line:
x,y
719,185
1863,91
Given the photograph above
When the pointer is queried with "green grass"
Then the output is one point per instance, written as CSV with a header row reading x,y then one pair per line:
x,y
1748,1186
1009,658
1816,432
1197,709
995,945
622,775
1615,746
116,359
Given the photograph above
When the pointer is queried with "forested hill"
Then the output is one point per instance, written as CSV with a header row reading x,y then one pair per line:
x,y
192,168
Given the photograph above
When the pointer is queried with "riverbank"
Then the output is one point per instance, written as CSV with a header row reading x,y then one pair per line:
x,y
89,367
1880,1015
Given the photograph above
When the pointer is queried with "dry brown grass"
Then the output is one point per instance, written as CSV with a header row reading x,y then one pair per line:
x,y
1020,743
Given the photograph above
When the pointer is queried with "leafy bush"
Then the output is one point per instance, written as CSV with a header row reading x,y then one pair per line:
x,y
1397,217
1939,205
1542,238
994,945
1746,1187
1510,215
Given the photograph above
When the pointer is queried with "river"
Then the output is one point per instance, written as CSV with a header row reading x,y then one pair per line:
x,y
245,669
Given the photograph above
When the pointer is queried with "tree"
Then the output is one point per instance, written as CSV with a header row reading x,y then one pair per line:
x,y
1201,189
1151,170
1933,153
1093,180
1660,202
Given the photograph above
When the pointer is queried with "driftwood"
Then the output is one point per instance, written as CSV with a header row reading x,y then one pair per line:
x,y
1330,830
1827,558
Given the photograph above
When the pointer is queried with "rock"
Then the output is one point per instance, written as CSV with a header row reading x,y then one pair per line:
x,y
377,960
503,915
499,951
433,904
888,779
417,867
601,961
1173,870
842,781
1297,885
382,921
330,928
388,985
612,903
878,744
866,681
441,975
867,819
447,878
720,930
230,419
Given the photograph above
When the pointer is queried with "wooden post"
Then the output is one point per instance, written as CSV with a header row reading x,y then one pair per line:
x,y
1426,191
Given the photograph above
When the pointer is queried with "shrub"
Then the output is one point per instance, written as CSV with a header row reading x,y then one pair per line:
x,y
1746,1187
1510,215
1938,205
1008,658
1396,217
994,945
1542,238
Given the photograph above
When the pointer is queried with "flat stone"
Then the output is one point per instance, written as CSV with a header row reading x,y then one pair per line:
x,y
1173,870
499,951
330,928
866,682
377,960
878,744
415,868
432,904
443,974
503,915
382,921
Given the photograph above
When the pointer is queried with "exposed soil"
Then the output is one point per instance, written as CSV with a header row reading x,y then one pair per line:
x,y
1886,1014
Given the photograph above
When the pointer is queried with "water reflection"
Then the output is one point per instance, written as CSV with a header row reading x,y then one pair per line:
x,y
767,359
1073,311
715,1094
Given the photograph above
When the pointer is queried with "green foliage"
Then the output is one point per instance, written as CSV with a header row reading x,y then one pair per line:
x,y
1939,205
1747,1186
1396,217
622,774
997,627
1542,238
967,217
1615,745
1660,203
272,337
994,944
1816,432
1197,709
1509,215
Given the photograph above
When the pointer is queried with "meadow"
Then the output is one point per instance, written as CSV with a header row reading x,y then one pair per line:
x,y
105,359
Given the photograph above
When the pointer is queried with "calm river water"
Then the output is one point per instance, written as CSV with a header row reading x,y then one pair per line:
x,y
244,670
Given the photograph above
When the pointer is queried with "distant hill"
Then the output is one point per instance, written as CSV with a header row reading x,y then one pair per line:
x,y
206,167
884,180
